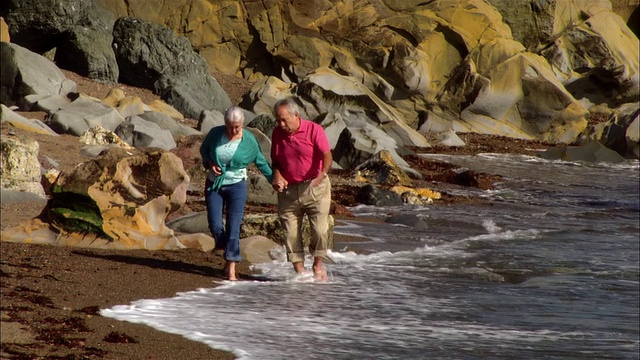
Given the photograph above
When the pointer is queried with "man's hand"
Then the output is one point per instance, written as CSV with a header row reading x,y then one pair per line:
x,y
318,179
279,184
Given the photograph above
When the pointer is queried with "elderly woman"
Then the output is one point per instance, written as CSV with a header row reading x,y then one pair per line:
x,y
226,152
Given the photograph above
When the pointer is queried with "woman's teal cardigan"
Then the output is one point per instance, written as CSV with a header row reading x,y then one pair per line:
x,y
248,152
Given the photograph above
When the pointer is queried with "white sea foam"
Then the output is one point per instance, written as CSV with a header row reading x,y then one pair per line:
x,y
509,235
490,226
444,292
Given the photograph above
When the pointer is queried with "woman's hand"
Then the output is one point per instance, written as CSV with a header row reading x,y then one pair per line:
x,y
217,171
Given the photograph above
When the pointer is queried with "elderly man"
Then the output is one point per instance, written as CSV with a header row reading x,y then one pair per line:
x,y
301,158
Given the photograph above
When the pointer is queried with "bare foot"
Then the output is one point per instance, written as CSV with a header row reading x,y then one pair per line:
x,y
230,270
319,273
299,267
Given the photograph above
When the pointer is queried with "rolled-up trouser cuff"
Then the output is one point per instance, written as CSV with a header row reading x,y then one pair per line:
x,y
295,257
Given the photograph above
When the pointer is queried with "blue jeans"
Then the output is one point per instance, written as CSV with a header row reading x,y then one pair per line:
x,y
232,199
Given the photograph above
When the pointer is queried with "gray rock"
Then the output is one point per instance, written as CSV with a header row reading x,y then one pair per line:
x,y
333,124
260,191
83,114
620,133
154,57
411,220
209,119
449,138
592,151
166,122
258,249
47,103
192,93
93,151
264,122
138,132
371,195
33,125
88,52
14,196
359,141
263,141
25,73
191,223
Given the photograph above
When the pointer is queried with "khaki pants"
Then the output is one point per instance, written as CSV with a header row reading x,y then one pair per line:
x,y
315,201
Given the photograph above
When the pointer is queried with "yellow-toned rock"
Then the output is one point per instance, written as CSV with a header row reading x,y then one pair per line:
x,y
119,200
381,168
164,108
198,241
422,192
4,31
48,179
130,105
126,105
113,97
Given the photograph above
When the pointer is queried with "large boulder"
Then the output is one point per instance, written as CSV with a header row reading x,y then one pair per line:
x,y
122,197
154,57
27,73
41,25
88,52
620,132
359,141
381,168
78,30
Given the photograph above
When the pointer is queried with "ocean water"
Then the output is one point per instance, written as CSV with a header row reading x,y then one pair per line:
x,y
548,270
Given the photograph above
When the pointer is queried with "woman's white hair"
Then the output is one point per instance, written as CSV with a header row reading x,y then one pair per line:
x,y
234,115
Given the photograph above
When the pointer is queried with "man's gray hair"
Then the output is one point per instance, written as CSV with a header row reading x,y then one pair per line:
x,y
290,103
234,115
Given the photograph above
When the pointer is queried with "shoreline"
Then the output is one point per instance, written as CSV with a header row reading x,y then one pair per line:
x,y
52,295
